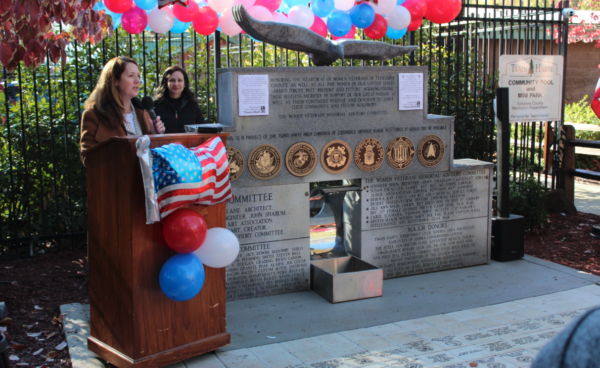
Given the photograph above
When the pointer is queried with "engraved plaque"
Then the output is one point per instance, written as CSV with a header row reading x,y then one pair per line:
x,y
236,163
431,150
336,157
301,159
400,152
368,155
264,162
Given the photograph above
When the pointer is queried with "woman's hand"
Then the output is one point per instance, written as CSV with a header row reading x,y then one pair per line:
x,y
159,126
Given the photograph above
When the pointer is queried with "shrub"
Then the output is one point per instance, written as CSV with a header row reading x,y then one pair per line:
x,y
527,198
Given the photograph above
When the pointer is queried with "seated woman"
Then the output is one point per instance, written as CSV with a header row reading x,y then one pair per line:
x,y
175,103
109,111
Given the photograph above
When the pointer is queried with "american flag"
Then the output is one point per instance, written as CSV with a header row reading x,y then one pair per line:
x,y
197,175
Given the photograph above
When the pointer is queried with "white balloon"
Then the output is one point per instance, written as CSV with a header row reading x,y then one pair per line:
x,y
228,24
383,6
161,20
220,6
343,5
220,249
246,3
280,18
399,17
301,15
261,13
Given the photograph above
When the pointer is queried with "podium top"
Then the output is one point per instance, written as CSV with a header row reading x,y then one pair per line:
x,y
158,139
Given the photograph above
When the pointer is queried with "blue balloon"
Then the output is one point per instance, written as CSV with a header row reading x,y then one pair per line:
x,y
362,15
283,8
146,4
292,3
322,8
400,2
116,18
395,34
179,26
339,23
182,277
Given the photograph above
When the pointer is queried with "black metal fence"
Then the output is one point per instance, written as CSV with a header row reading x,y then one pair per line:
x,y
42,182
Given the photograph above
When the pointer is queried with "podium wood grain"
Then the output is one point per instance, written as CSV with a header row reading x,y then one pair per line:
x,y
133,324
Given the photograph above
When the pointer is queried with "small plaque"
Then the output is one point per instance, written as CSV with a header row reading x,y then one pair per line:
x,y
301,159
368,155
400,153
264,162
336,157
431,150
236,163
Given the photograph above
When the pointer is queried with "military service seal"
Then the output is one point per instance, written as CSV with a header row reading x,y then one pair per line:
x,y
431,150
264,162
336,157
236,163
400,153
301,159
368,155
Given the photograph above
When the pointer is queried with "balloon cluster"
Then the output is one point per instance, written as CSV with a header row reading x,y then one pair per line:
x,y
340,18
185,231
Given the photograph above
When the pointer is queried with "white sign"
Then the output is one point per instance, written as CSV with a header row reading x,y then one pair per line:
x,y
410,86
534,86
253,95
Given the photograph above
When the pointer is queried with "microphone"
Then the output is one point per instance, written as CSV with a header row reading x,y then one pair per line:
x,y
137,103
148,105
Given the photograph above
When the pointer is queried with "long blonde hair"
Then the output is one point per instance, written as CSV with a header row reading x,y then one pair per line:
x,y
106,99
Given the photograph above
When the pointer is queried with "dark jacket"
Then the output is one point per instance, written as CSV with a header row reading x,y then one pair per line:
x,y
176,115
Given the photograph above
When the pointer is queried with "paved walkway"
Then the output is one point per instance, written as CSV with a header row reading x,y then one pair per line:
x,y
587,198
498,316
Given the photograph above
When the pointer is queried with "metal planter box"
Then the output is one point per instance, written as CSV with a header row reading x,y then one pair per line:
x,y
345,278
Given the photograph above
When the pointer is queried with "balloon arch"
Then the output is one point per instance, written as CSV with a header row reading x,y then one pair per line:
x,y
339,18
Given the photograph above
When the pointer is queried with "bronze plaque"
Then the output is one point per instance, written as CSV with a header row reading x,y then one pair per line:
x,y
368,155
236,163
431,150
336,157
301,159
400,153
264,162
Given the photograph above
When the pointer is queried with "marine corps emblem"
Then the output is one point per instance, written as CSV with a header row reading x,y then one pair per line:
x,y
301,159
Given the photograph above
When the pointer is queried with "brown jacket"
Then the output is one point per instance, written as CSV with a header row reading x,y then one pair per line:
x,y
94,131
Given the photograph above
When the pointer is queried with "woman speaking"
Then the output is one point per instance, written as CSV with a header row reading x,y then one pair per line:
x,y
109,111
175,103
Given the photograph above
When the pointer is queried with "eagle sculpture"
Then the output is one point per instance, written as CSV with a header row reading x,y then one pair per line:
x,y
321,50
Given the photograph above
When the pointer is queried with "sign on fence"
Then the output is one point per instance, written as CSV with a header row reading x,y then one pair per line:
x,y
535,86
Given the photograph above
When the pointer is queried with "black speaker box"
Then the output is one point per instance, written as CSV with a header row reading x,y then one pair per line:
x,y
508,238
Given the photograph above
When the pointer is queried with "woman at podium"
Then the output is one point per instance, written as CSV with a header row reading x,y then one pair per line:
x,y
109,111
175,103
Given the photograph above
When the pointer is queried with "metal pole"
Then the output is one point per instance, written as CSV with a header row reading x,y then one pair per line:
x,y
503,151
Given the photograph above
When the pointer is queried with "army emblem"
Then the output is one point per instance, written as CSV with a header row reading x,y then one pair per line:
x,y
236,163
431,150
335,157
368,155
301,159
400,153
264,162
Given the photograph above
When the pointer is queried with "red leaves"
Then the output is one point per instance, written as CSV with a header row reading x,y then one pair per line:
x,y
10,54
35,54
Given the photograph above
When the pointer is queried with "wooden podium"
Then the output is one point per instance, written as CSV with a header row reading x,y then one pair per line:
x,y
133,324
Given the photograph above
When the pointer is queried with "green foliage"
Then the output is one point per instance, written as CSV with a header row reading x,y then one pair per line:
x,y
581,113
527,198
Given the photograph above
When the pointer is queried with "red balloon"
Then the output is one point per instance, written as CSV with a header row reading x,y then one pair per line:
x,y
416,8
206,21
415,24
442,11
350,34
272,5
319,27
118,6
184,230
378,28
186,14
